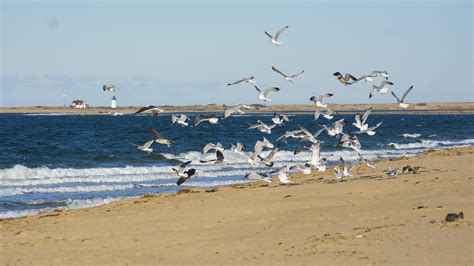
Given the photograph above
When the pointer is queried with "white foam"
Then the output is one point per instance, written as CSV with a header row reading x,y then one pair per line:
x,y
75,189
426,144
411,136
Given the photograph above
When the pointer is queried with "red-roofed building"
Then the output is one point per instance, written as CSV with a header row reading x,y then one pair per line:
x,y
78,104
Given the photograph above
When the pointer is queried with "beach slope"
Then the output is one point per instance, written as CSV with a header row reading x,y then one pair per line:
x,y
368,219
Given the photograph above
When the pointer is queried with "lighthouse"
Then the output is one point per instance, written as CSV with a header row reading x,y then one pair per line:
x,y
113,104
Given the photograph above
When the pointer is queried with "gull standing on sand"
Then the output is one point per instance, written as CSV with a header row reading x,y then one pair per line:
x,y
259,176
342,172
360,124
263,95
276,40
153,109
250,80
382,88
213,119
181,120
320,101
236,109
286,77
145,147
283,173
345,80
392,172
109,87
160,139
278,119
401,102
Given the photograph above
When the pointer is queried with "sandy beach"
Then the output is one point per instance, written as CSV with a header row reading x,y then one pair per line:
x,y
368,219
415,108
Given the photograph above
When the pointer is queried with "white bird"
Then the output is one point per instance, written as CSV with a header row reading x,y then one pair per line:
x,y
259,146
276,40
262,127
237,147
392,172
259,176
401,102
267,160
286,77
363,160
236,109
279,119
310,136
344,171
382,88
316,160
366,78
263,95
320,101
328,114
349,141
213,119
145,147
212,146
336,127
370,131
153,109
184,174
160,139
382,73
360,123
296,134
345,80
250,80
180,171
109,87
181,120
283,173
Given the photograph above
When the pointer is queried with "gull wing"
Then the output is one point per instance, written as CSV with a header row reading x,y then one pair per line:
x,y
279,72
144,109
324,96
374,127
269,35
219,155
277,35
156,134
148,143
394,95
229,112
237,82
357,120
297,74
303,129
319,132
315,156
183,165
406,93
267,91
366,115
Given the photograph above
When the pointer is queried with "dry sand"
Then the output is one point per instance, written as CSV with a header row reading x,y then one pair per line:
x,y
415,108
368,219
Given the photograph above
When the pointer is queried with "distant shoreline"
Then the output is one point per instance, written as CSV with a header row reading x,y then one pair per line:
x,y
417,108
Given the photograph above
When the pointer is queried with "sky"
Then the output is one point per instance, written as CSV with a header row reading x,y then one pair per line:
x,y
181,53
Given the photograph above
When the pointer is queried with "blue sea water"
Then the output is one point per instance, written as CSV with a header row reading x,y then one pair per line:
x,y
50,161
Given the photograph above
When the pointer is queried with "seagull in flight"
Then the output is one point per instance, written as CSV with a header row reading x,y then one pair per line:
x,y
283,173
382,88
212,146
250,80
213,119
279,119
320,101
219,159
401,102
145,147
153,109
328,114
296,134
382,73
335,128
363,160
236,109
345,80
370,131
308,136
349,141
276,40
237,147
257,149
268,159
109,87
263,95
160,139
360,123
262,127
184,174
286,77
181,120
259,176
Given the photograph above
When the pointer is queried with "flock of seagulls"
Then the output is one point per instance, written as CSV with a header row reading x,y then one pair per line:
x,y
264,151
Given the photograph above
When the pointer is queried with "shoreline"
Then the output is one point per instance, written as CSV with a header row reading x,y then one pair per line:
x,y
316,220
419,108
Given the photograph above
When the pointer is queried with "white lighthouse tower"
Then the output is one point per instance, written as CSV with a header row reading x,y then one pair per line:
x,y
113,104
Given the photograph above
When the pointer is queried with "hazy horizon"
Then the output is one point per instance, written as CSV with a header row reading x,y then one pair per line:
x,y
185,53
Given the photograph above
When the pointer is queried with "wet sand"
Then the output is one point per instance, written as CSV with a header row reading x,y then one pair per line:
x,y
367,219
417,108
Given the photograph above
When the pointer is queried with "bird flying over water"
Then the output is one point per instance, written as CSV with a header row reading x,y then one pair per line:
x,y
184,174
382,88
276,40
181,120
345,80
263,95
278,119
360,123
219,158
262,127
286,77
401,102
212,146
153,109
145,147
320,101
160,139
236,109
213,119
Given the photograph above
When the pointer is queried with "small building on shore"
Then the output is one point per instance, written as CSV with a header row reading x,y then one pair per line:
x,y
78,104
113,104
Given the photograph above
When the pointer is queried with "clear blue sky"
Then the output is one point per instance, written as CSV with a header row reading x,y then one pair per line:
x,y
184,53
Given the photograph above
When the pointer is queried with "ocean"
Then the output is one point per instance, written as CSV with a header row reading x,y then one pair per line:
x,y
63,161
